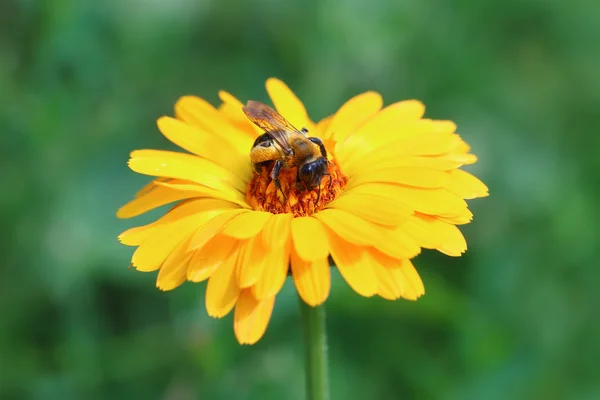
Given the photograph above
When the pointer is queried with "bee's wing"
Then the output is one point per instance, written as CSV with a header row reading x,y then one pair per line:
x,y
271,122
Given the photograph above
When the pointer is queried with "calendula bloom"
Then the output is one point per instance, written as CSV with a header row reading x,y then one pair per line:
x,y
394,186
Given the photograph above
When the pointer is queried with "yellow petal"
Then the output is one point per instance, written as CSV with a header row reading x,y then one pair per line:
x,y
205,144
174,270
391,281
352,114
405,161
212,228
427,145
156,197
466,185
251,262
310,238
461,158
349,227
222,290
455,243
156,248
288,105
413,288
276,231
185,166
274,273
219,250
410,176
198,112
464,217
398,244
206,206
424,229
312,279
382,123
433,233
233,196
363,233
251,317
365,149
322,127
428,201
355,265
380,210
247,225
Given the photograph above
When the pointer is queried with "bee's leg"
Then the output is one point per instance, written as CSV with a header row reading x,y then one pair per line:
x,y
330,179
275,176
319,143
319,192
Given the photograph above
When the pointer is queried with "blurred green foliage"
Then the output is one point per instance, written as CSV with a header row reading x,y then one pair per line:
x,y
81,84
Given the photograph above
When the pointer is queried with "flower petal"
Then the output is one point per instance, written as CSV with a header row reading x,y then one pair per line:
x,y
212,228
185,166
246,225
251,317
466,185
174,270
410,176
189,208
276,231
288,104
433,233
274,273
349,227
222,290
413,288
198,112
205,144
312,279
157,196
382,123
158,245
405,161
355,265
426,145
210,257
310,238
323,125
251,262
380,210
352,114
437,201
202,191
390,277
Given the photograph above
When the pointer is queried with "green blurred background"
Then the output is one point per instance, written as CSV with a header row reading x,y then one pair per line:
x,y
81,85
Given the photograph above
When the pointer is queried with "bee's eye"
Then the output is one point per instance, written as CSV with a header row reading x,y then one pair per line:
x,y
266,144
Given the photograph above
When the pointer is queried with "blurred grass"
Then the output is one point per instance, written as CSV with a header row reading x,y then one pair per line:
x,y
81,84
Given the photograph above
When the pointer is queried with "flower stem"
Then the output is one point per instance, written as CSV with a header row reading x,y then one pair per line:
x,y
315,338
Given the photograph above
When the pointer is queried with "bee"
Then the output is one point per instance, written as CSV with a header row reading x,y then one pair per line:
x,y
288,147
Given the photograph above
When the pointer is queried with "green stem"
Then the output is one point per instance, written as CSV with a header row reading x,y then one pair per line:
x,y
315,338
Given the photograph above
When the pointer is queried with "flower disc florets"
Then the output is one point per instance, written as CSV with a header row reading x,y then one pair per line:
x,y
294,198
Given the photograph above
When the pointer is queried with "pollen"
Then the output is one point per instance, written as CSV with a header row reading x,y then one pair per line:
x,y
294,198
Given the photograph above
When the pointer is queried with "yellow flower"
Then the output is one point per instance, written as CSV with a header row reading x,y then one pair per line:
x,y
396,187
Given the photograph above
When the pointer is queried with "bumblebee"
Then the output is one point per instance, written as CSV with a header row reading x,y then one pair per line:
x,y
287,147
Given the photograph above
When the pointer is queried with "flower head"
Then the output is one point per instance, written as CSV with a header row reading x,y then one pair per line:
x,y
393,185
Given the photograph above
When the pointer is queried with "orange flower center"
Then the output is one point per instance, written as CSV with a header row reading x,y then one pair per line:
x,y
294,198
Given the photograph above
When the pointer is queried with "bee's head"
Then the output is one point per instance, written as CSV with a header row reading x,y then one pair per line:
x,y
312,172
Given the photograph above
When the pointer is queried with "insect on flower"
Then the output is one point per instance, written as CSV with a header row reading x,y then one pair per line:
x,y
287,147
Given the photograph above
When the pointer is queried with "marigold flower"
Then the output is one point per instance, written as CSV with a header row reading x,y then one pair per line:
x,y
395,187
